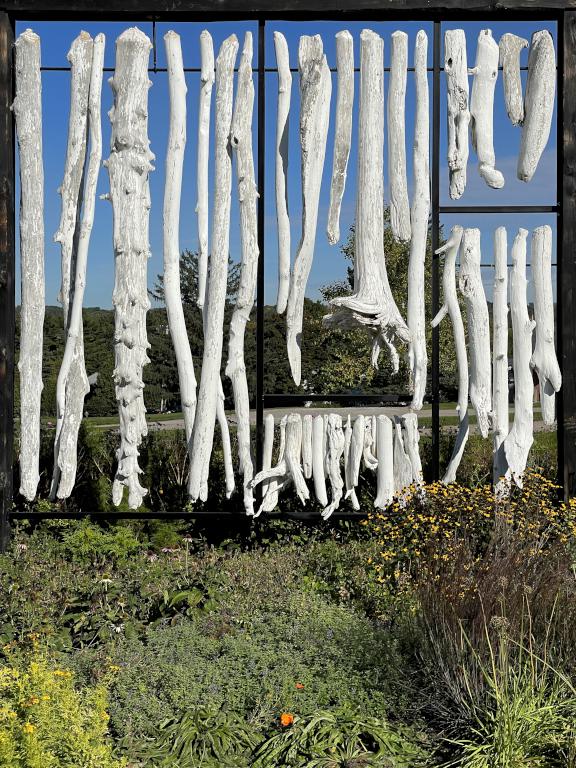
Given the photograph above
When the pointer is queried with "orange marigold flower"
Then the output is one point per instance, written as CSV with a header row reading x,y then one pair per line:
x,y
300,686
286,719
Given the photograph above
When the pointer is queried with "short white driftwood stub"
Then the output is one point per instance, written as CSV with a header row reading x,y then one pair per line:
x,y
457,89
510,49
318,452
385,473
402,463
307,421
335,442
411,438
270,487
206,85
352,455
284,92
500,354
399,205
27,109
288,469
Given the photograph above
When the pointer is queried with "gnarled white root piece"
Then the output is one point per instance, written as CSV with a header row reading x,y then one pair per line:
x,y
519,440
72,378
472,290
411,438
335,442
207,82
385,474
500,354
315,92
456,71
538,103
241,139
343,130
28,113
371,305
210,385
352,456
318,453
307,445
129,164
402,464
284,92
288,469
270,487
510,47
451,307
370,444
482,108
399,205
357,448
544,360
420,211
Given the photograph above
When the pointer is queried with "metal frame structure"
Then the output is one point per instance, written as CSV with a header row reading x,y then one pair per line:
x,y
563,12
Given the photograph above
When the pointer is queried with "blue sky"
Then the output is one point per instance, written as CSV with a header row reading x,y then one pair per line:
x,y
329,263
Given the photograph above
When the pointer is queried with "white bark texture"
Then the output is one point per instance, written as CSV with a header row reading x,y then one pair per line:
x,y
500,354
334,451
510,49
288,469
419,214
538,103
318,452
307,445
544,360
357,448
456,70
241,139
399,205
472,290
451,307
482,108
270,487
402,464
370,444
385,474
206,85
129,164
315,92
371,305
282,134
411,438
342,131
352,454
28,113
519,440
210,384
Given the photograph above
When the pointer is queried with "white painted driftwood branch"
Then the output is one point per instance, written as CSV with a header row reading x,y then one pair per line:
x,y
206,84
318,453
343,130
519,440
288,469
385,470
335,442
510,47
482,108
282,134
315,92
241,140
411,438
544,360
538,103
402,464
210,384
28,113
307,422
370,444
352,456
270,487
500,354
420,211
399,205
451,307
456,70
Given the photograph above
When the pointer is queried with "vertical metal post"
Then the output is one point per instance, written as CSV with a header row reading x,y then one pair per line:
x,y
435,258
260,282
7,272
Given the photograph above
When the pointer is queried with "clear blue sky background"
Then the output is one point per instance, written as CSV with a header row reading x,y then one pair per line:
x,y
329,264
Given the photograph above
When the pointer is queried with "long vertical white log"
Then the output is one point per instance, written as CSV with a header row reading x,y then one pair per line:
x,y
544,360
451,307
335,450
482,108
472,289
315,92
411,438
318,461
351,451
402,464
28,113
343,130
357,449
538,103
510,47
370,444
500,353
399,205
208,392
419,214
271,487
206,84
288,469
307,445
457,90
282,133
385,473
519,440
241,139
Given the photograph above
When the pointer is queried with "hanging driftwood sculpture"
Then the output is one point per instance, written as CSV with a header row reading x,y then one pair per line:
x,y
402,464
510,47
343,130
315,92
284,92
210,384
335,443
519,440
288,469
27,109
357,448
500,353
482,108
318,453
399,205
129,164
472,290
456,70
411,438
371,305
544,360
420,211
206,85
307,445
270,487
352,457
538,103
451,307
385,473
370,444
241,139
